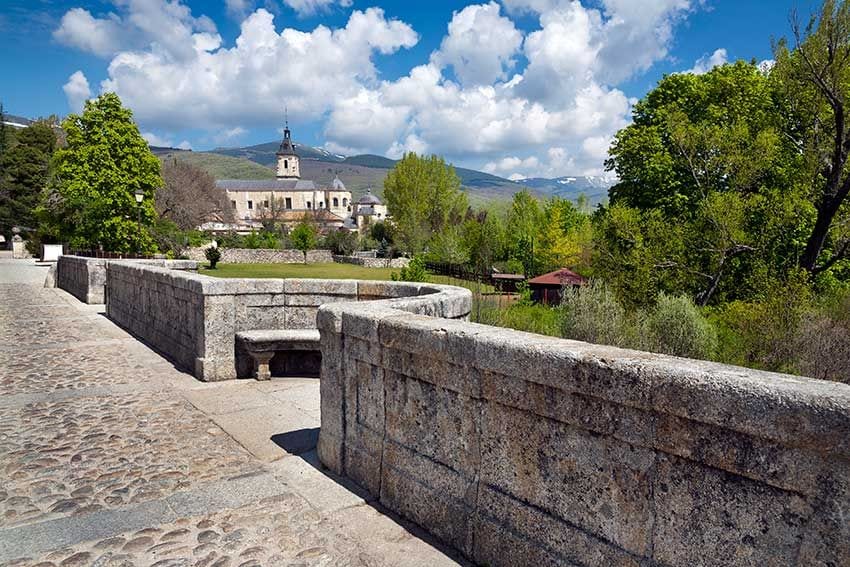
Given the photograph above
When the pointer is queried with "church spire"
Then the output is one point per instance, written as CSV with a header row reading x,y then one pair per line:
x,y
287,160
286,146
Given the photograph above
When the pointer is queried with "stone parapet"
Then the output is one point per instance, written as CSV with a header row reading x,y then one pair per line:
x,y
264,256
519,449
85,278
194,319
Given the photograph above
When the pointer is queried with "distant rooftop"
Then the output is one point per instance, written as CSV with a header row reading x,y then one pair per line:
x,y
266,184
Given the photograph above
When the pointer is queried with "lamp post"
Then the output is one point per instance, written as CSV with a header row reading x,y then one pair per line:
x,y
140,196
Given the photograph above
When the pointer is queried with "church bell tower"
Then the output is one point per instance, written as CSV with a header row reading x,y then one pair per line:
x,y
287,160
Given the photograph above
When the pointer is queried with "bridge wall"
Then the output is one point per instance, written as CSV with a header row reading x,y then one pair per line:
x,y
519,449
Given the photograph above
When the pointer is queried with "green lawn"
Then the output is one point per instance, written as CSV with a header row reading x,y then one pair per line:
x,y
331,271
323,271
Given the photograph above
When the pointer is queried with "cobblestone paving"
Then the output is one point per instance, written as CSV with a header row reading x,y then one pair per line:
x,y
281,530
84,454
68,367
107,459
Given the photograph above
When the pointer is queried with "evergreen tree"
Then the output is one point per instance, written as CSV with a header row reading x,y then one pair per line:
x,y
24,174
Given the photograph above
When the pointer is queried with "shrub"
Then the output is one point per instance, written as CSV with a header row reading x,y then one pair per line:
x,y
414,272
341,242
674,325
593,314
213,255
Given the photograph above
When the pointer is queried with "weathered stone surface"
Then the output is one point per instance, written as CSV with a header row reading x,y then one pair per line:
x,y
264,256
519,449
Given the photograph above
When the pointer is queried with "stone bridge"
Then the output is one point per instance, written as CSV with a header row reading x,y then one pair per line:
x,y
508,448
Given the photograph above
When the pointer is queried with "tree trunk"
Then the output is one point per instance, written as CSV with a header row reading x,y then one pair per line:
x,y
814,246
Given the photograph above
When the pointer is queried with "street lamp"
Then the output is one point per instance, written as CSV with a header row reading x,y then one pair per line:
x,y
140,196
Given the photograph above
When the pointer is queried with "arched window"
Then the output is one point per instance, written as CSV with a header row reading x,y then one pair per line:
x,y
336,202
344,202
286,164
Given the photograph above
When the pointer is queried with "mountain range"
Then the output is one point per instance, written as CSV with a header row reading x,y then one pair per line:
x,y
365,171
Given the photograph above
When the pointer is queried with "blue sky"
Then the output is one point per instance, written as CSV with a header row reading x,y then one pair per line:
x,y
518,88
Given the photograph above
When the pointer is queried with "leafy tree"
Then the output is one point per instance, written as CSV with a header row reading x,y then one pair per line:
x,y
523,223
424,198
342,242
190,197
24,175
92,201
484,239
813,85
694,134
304,237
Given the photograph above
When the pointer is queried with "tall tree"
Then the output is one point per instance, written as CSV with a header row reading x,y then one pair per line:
x,y
25,171
813,81
525,218
106,160
423,196
189,196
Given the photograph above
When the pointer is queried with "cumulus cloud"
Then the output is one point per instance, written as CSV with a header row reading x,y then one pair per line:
x,y
238,9
79,29
310,7
480,45
248,83
708,62
545,102
166,26
77,91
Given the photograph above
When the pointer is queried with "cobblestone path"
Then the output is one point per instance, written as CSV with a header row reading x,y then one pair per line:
x,y
111,456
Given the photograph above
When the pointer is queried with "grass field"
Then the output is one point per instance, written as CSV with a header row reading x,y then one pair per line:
x,y
321,271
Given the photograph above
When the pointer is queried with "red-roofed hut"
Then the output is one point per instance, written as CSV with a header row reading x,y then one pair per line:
x,y
547,288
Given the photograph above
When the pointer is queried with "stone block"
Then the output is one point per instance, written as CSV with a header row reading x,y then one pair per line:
x,y
595,482
371,290
308,286
300,317
433,422
510,532
329,317
431,495
709,517
314,300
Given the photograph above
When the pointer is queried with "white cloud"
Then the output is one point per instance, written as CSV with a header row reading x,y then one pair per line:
x,y
166,26
238,9
708,62
310,7
248,83
79,29
165,142
549,99
77,91
480,45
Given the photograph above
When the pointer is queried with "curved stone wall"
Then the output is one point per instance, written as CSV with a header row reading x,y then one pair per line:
x,y
194,319
519,449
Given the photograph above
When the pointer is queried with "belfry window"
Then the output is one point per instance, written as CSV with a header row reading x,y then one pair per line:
x,y
336,202
286,164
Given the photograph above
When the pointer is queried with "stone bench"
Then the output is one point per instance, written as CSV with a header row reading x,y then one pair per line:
x,y
263,345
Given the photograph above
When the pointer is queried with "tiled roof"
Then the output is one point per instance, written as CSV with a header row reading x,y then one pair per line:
x,y
559,277
265,184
